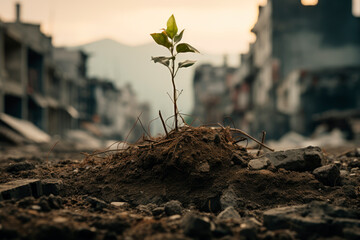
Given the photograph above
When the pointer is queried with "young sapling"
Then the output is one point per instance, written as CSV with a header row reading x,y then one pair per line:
x,y
170,39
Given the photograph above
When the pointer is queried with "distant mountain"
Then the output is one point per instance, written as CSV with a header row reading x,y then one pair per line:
x,y
151,82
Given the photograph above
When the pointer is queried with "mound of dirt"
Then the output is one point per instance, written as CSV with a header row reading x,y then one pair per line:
x,y
197,166
191,166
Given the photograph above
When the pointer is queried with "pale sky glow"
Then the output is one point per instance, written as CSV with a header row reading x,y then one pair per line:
x,y
212,26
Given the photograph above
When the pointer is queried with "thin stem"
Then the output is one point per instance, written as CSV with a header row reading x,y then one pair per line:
x,y
174,87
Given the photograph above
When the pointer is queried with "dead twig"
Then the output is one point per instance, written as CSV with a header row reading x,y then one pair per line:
x,y
163,123
252,138
262,141
48,154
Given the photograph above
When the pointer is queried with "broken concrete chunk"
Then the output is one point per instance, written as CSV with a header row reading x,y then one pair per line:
x,y
120,204
18,167
229,213
51,186
19,189
304,159
259,163
204,167
329,174
314,218
196,227
173,207
96,203
229,199
158,211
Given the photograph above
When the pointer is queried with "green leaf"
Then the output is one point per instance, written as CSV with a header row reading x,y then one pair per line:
x,y
171,29
161,39
178,37
186,64
163,60
184,47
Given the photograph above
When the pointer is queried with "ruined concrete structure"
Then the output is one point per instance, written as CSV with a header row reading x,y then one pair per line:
x,y
293,40
211,93
49,86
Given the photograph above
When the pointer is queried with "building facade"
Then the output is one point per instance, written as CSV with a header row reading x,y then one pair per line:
x,y
292,39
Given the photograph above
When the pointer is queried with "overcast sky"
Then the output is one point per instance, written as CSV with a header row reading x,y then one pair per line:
x,y
213,26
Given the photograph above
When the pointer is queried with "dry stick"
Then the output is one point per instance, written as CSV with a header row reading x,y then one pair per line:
x,y
252,138
151,123
262,141
51,149
132,129
144,128
163,123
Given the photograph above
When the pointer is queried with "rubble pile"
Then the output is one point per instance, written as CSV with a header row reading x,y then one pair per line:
x,y
193,184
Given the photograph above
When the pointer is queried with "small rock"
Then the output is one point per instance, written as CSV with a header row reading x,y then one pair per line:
x,y
173,207
96,203
51,186
314,218
55,202
60,220
19,189
354,163
35,207
204,167
344,173
238,160
158,211
229,213
259,163
44,204
221,230
26,202
18,167
175,217
217,139
329,174
229,199
196,227
304,159
120,204
249,228
354,153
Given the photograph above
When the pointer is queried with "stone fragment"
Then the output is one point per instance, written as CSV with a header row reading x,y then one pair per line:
x,y
19,189
204,167
304,159
259,163
51,186
229,213
229,199
354,163
196,227
96,203
329,174
173,207
158,211
314,218
238,160
120,204
20,166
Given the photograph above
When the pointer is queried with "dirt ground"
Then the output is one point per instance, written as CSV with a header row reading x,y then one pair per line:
x,y
128,193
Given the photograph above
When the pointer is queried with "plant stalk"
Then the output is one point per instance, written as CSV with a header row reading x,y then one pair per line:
x,y
174,89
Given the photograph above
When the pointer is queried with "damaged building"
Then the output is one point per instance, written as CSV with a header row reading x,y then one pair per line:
x,y
47,89
211,93
305,62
